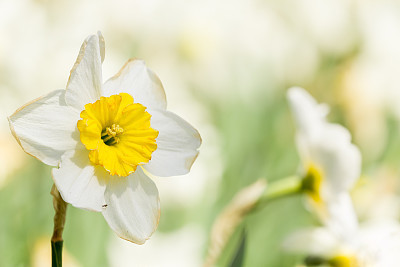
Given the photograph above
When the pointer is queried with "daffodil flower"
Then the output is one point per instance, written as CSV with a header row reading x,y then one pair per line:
x,y
331,163
107,139
329,245
373,244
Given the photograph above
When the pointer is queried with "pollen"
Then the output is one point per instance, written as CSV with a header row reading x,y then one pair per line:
x,y
343,261
117,133
311,183
110,134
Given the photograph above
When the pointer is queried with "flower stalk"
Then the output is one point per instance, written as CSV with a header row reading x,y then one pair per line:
x,y
246,201
231,218
281,188
60,208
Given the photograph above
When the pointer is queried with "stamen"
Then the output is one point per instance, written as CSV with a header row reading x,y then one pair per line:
x,y
109,134
343,261
311,182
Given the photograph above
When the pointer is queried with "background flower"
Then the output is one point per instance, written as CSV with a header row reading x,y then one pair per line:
x,y
331,163
373,244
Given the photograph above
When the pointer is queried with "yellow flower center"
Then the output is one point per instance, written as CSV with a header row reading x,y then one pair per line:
x,y
117,133
340,260
109,134
311,183
343,261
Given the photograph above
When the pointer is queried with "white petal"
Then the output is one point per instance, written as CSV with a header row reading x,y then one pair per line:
x,y
133,207
338,157
102,46
177,145
379,243
315,241
307,112
341,219
46,127
85,82
79,182
326,144
137,80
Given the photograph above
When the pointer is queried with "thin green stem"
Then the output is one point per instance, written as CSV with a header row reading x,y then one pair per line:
x,y
60,208
281,188
56,253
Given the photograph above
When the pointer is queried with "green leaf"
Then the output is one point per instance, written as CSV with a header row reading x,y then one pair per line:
x,y
238,258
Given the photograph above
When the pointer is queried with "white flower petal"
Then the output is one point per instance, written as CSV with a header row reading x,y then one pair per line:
x,y
85,82
133,208
315,241
177,145
338,157
379,243
137,80
102,46
46,127
309,115
341,219
79,182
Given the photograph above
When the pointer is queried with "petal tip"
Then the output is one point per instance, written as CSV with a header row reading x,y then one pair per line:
x,y
296,92
190,161
10,123
141,241
94,39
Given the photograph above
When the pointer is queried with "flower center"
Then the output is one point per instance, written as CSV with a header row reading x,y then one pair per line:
x,y
117,133
340,260
311,183
110,134
343,261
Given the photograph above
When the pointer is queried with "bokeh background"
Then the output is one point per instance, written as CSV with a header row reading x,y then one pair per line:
x,y
225,66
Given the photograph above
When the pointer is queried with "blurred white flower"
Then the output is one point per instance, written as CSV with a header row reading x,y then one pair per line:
x,y
376,198
325,22
371,245
329,245
331,163
371,85
375,69
107,138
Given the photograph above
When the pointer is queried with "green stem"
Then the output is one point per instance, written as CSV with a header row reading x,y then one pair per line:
x,y
314,261
284,187
60,209
56,253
